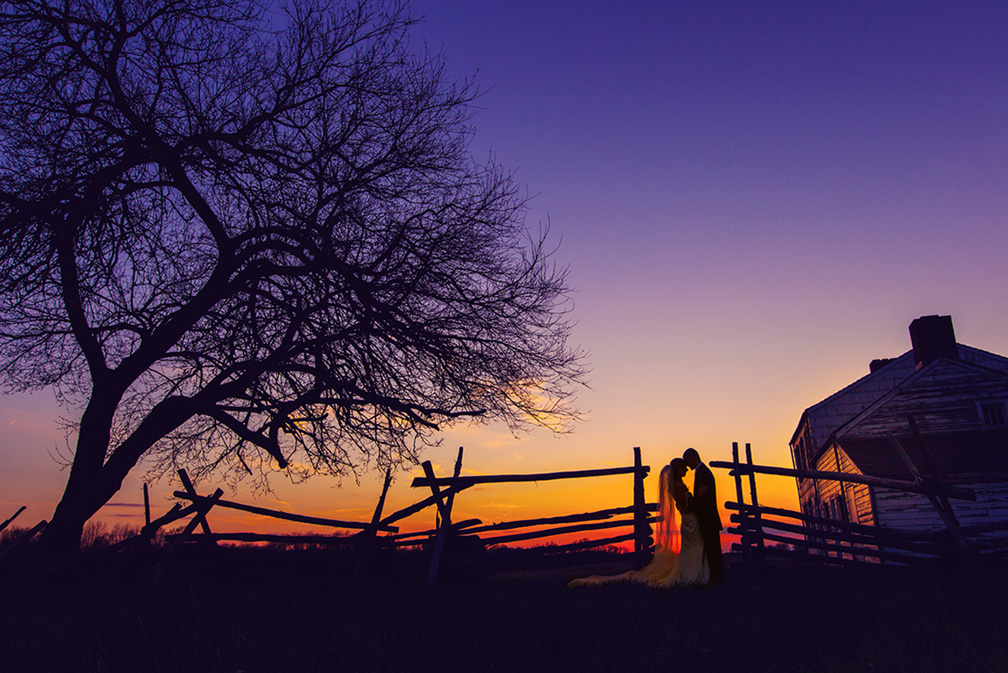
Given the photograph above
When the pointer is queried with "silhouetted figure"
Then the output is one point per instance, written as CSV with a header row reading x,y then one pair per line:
x,y
679,558
691,567
704,504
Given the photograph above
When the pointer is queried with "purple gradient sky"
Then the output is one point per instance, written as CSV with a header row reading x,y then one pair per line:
x,y
754,199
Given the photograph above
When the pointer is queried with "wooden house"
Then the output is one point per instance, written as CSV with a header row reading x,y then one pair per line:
x,y
943,404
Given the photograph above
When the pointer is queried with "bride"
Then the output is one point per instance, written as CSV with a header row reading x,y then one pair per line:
x,y
679,557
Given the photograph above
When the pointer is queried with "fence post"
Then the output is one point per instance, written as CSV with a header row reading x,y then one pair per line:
x,y
445,510
201,507
745,522
757,518
370,534
8,521
200,517
941,506
642,529
13,548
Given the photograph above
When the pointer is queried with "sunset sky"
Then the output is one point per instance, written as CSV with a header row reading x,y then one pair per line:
x,y
754,200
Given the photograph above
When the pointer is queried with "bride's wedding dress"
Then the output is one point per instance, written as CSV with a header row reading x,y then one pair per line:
x,y
691,565
679,557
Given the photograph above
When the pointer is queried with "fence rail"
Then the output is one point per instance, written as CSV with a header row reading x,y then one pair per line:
x,y
772,530
473,480
545,527
287,516
380,531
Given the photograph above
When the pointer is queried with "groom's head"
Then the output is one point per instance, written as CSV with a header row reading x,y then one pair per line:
x,y
691,457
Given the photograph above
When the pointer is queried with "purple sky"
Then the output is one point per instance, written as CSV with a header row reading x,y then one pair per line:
x,y
754,199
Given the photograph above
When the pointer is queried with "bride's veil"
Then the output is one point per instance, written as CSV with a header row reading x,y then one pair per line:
x,y
667,529
660,571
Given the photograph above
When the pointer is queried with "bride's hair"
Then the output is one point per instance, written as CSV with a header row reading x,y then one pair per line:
x,y
678,466
666,529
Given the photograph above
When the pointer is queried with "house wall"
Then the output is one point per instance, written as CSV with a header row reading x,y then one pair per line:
x,y
822,419
911,511
801,450
856,497
944,399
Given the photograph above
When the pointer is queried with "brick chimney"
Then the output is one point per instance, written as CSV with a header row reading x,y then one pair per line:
x,y
878,364
932,337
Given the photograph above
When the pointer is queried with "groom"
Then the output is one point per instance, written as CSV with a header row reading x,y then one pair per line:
x,y
705,506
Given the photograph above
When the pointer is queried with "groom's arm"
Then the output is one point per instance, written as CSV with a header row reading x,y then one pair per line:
x,y
704,481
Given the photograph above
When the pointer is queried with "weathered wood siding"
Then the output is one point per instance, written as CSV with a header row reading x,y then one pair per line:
x,y
856,497
910,511
826,416
801,452
942,398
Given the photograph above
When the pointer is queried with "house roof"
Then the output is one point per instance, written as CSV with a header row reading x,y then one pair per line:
x,y
939,396
824,417
829,415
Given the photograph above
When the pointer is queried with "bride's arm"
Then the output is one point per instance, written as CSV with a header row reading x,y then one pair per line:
x,y
683,499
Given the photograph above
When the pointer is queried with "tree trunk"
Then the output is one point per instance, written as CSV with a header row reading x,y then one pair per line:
x,y
93,479
80,498
79,503
62,536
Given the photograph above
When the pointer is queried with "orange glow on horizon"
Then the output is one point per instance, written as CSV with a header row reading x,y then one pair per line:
x,y
490,503
490,449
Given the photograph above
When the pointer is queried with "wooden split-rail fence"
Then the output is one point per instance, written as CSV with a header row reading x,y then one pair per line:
x,y
763,531
776,531
382,532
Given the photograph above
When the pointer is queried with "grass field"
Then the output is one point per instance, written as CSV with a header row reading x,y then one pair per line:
x,y
249,612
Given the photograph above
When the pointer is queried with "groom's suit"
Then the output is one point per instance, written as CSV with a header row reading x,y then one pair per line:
x,y
706,510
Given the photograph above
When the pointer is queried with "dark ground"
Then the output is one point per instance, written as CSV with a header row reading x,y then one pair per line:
x,y
242,610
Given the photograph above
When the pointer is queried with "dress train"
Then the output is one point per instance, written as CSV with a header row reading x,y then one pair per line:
x,y
679,558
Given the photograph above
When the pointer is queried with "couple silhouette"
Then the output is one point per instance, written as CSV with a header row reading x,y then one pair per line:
x,y
688,536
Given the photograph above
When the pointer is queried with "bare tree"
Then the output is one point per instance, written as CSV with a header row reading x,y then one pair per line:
x,y
241,238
